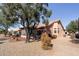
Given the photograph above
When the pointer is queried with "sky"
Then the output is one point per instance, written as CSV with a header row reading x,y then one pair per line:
x,y
64,12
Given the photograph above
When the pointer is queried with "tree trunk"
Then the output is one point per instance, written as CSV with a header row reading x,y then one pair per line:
x,y
6,31
27,31
25,28
27,34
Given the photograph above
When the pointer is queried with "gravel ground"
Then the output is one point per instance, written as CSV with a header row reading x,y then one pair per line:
x,y
62,47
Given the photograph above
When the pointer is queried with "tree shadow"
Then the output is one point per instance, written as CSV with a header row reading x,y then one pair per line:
x,y
2,39
75,41
1,42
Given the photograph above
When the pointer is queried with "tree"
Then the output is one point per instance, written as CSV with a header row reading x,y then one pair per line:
x,y
6,19
72,26
33,14
30,14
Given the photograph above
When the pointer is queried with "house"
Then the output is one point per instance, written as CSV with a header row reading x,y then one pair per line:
x,y
55,27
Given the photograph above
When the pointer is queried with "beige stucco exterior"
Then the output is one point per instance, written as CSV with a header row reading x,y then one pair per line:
x,y
57,29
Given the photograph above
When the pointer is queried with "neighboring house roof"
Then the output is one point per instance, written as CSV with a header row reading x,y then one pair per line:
x,y
57,21
50,24
41,26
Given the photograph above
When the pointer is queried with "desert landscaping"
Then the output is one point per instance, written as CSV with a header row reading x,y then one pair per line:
x,y
32,29
62,46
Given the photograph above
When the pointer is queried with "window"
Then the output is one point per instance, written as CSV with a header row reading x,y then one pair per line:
x,y
54,30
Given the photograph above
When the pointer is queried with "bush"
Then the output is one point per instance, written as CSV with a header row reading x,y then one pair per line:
x,y
46,41
72,26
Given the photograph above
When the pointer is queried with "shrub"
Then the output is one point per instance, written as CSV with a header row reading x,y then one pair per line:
x,y
46,41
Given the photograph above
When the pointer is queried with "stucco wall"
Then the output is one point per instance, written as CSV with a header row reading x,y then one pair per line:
x,y
61,31
58,28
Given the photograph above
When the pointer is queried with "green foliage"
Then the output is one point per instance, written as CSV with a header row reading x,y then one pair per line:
x,y
72,26
30,13
6,19
1,31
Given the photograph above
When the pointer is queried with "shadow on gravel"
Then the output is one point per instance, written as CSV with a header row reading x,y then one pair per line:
x,y
1,42
2,39
75,41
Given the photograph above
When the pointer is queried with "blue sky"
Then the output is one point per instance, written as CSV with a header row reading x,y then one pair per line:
x,y
64,11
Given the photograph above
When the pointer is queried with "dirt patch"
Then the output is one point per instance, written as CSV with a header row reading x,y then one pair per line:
x,y
61,47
